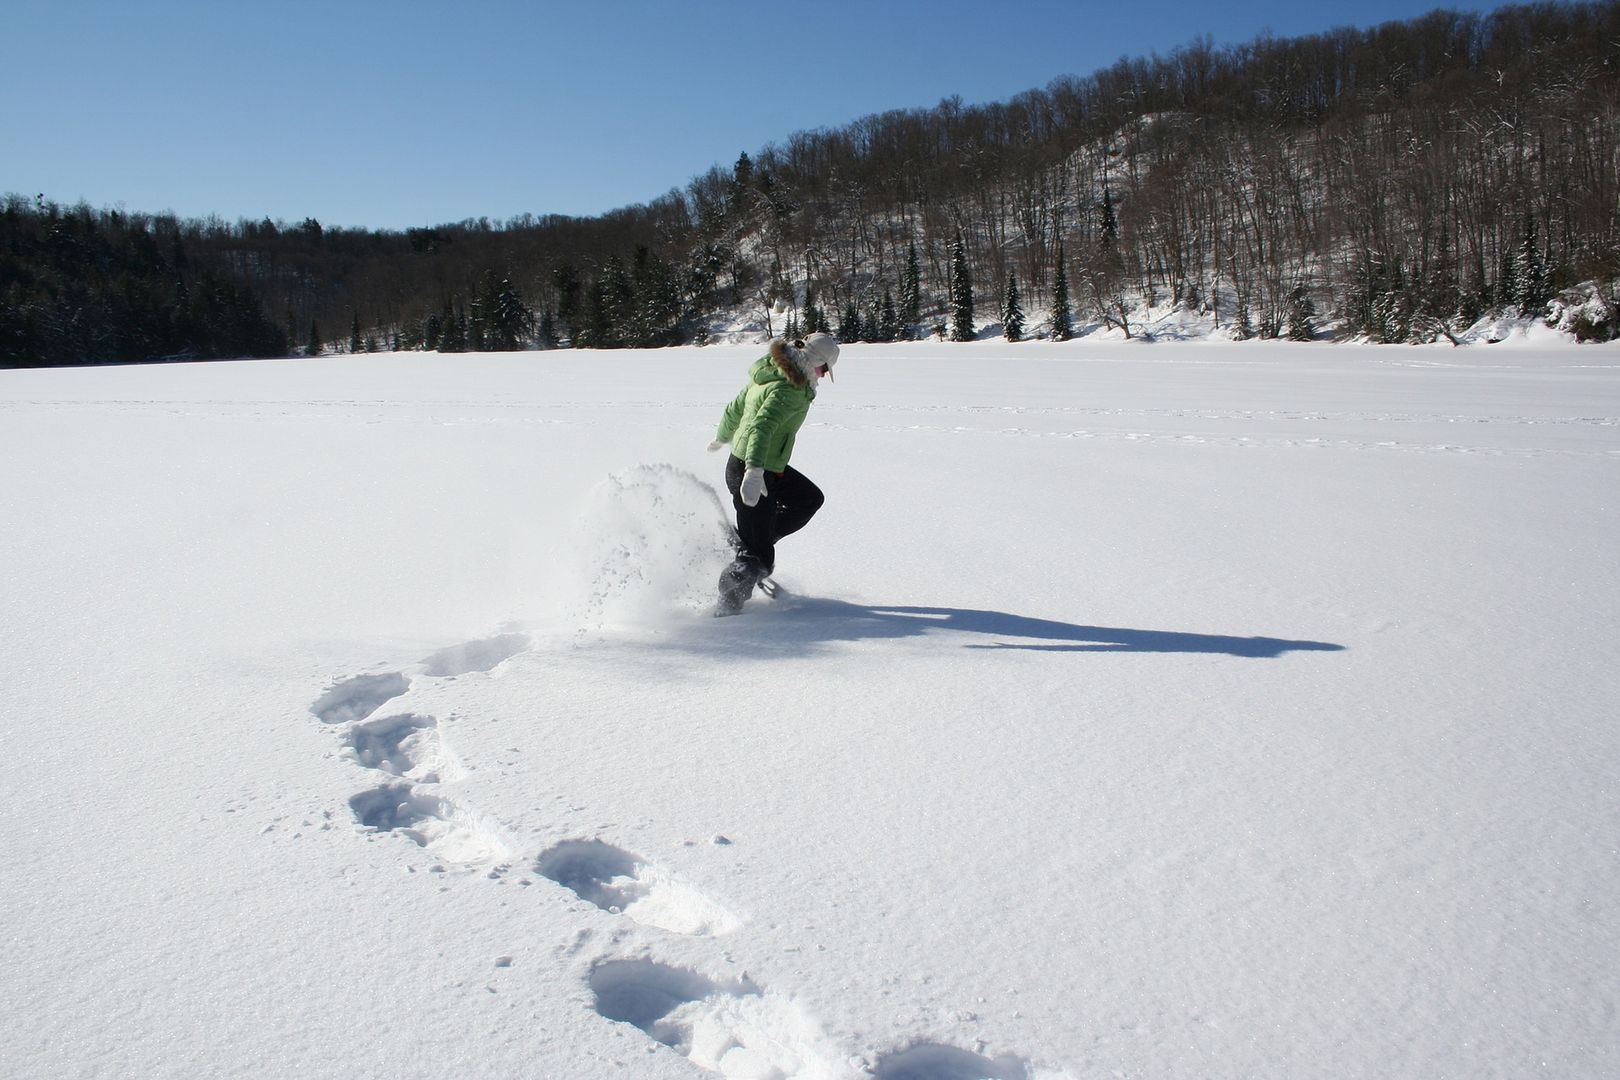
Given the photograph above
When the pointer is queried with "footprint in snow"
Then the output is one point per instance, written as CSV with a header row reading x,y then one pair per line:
x,y
349,700
357,698
474,656
933,1061
405,745
431,822
643,993
617,881
732,1028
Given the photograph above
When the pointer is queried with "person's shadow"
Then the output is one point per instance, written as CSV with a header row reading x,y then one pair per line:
x,y
836,620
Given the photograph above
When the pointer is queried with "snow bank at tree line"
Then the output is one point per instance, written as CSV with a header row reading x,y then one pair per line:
x,y
1174,323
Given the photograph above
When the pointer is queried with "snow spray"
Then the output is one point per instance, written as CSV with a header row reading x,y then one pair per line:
x,y
650,544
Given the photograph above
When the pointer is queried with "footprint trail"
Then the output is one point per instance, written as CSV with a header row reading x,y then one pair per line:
x,y
732,1027
408,748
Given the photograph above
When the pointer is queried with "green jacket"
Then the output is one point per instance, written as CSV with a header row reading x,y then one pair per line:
x,y
764,418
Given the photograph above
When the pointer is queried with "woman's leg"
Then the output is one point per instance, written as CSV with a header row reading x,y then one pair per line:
x,y
756,525
797,500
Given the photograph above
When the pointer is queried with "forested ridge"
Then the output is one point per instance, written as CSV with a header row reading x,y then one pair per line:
x,y
1394,183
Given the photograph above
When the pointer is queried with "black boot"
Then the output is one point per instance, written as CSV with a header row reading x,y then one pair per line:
x,y
737,583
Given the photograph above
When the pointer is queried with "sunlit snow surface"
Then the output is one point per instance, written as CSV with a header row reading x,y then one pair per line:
x,y
1176,710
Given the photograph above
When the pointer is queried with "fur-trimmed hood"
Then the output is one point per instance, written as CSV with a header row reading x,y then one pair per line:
x,y
795,364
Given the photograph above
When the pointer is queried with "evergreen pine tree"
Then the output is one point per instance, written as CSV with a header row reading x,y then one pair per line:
x,y
313,346
591,330
1442,298
483,302
911,290
355,343
565,280
513,319
454,333
501,318
888,319
1475,296
1062,320
814,320
616,304
1244,326
657,302
1012,315
705,266
1392,309
476,325
872,321
849,323
1507,281
742,178
1532,278
1300,322
961,293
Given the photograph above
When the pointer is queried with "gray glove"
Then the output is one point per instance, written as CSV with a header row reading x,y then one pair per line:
x,y
716,444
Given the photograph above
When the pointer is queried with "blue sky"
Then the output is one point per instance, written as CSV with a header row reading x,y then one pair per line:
x,y
389,115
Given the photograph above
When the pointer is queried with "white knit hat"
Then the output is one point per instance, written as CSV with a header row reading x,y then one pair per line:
x,y
823,351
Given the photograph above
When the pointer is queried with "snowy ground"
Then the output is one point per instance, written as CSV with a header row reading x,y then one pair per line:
x,y
1153,711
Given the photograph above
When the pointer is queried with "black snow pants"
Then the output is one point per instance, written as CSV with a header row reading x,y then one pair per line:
x,y
789,502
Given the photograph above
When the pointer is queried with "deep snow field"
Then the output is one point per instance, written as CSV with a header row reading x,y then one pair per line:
x,y
1150,711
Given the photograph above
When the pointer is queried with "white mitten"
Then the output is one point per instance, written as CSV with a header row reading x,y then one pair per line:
x,y
753,485
717,444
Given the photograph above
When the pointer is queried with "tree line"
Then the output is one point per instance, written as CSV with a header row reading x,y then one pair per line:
x,y
1393,183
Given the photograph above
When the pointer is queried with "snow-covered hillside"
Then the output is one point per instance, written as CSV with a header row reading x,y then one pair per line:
x,y
1154,711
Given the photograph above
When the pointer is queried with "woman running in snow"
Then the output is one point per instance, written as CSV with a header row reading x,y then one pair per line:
x,y
772,498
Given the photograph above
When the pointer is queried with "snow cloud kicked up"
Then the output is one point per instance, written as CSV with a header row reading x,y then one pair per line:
x,y
650,544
